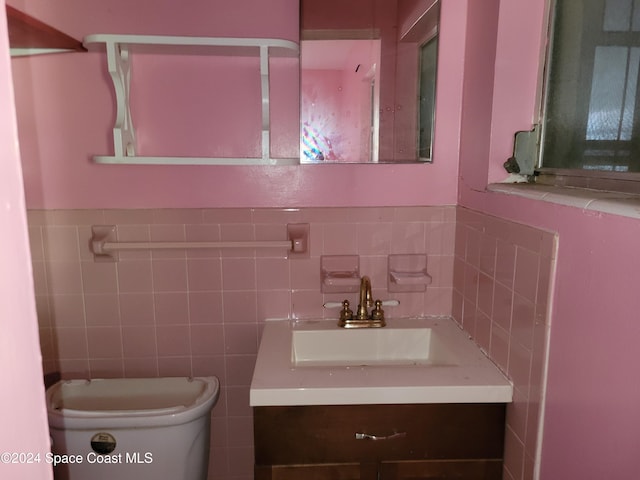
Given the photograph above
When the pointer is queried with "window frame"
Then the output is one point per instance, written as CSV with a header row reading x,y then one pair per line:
x,y
627,182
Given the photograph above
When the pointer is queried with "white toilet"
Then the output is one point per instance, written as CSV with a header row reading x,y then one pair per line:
x,y
131,428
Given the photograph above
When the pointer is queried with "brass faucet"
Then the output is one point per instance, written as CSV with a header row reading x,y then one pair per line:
x,y
362,317
365,299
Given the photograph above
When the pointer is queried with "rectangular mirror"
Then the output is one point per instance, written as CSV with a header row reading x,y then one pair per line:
x,y
368,80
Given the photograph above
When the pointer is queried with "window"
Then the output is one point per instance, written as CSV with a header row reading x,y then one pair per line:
x,y
591,127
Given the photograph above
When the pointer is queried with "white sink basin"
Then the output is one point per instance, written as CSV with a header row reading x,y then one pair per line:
x,y
411,360
321,344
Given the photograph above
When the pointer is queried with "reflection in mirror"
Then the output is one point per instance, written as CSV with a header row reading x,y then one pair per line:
x,y
340,99
368,72
427,85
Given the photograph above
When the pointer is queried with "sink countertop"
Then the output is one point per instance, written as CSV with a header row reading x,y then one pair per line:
x,y
277,381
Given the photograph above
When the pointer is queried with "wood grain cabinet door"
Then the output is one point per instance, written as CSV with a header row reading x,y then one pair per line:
x,y
441,470
379,442
329,471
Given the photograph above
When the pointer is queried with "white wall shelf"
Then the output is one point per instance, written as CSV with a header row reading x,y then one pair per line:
x,y
119,49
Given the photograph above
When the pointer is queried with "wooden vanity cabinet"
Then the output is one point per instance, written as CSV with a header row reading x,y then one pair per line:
x,y
434,441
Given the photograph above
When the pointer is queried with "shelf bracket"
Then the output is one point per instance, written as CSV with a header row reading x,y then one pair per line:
x,y
264,88
119,65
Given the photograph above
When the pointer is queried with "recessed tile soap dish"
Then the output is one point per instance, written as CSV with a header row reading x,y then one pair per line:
x,y
408,273
339,273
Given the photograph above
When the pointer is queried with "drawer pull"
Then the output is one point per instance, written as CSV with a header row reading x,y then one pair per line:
x,y
367,436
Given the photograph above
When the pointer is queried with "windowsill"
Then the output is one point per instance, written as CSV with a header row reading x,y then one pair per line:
x,y
624,204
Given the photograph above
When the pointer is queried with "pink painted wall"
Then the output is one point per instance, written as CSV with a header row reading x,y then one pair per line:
x,y
481,31
23,417
65,115
591,414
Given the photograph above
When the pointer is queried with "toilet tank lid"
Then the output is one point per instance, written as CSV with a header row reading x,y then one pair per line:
x,y
134,396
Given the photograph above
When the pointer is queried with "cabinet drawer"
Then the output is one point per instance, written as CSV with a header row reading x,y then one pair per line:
x,y
322,434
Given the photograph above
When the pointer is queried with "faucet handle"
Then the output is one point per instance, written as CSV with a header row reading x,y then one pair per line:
x,y
332,304
385,303
377,313
390,303
346,313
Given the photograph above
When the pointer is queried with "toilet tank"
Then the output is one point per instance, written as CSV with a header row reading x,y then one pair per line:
x,y
131,428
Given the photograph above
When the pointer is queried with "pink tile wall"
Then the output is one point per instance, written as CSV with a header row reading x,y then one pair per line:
x,y
502,278
200,312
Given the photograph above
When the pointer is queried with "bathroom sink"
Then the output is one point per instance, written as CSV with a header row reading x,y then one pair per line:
x,y
411,360
322,344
